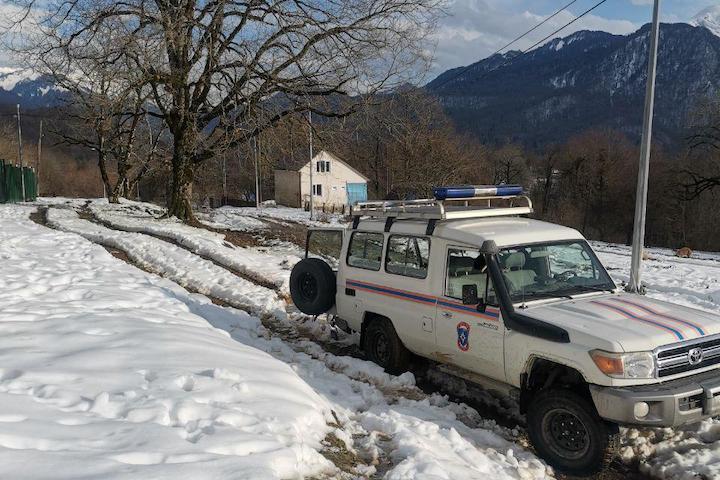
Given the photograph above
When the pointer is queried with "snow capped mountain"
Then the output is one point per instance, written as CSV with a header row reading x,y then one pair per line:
x,y
28,88
708,18
585,80
10,77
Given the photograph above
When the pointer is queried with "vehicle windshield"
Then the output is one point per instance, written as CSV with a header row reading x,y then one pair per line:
x,y
552,270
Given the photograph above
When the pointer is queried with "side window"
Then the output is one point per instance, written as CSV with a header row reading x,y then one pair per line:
x,y
467,267
326,245
365,250
408,256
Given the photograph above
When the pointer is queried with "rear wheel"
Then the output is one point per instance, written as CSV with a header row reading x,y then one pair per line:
x,y
568,433
383,346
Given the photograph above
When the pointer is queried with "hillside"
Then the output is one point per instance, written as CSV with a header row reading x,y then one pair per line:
x,y
587,79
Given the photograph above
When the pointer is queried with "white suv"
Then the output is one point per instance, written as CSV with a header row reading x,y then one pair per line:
x,y
519,306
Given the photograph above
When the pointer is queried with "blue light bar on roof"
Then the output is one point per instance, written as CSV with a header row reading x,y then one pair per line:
x,y
472,191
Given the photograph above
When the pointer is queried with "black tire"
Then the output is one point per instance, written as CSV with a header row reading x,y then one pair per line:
x,y
383,346
567,432
312,286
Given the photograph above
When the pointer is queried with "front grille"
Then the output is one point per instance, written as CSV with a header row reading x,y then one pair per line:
x,y
675,359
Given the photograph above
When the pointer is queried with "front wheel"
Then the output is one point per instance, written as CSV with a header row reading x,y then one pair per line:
x,y
567,432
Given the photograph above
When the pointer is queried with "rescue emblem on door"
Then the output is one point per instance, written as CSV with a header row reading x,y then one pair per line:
x,y
463,336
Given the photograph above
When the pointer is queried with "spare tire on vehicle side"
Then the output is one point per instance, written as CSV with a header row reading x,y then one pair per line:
x,y
312,286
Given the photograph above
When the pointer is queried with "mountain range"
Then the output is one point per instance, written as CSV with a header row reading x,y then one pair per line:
x,y
585,80
30,90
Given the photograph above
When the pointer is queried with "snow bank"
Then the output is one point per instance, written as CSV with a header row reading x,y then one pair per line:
x,y
175,263
106,373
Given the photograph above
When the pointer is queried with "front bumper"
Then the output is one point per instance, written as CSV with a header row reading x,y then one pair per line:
x,y
673,403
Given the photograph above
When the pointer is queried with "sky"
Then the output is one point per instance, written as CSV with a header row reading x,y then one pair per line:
x,y
474,29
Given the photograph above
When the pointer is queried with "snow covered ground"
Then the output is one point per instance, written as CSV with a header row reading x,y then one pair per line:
x,y
389,427
694,282
268,269
400,435
175,263
247,218
106,372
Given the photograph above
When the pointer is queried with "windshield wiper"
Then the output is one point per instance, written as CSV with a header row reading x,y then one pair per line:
x,y
545,295
590,288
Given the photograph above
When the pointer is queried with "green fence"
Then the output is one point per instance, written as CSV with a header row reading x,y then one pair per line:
x,y
11,183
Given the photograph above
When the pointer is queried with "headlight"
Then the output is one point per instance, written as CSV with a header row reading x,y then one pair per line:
x,y
625,365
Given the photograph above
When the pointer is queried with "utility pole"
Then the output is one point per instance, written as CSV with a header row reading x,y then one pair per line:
x,y
257,173
39,156
224,177
312,194
635,285
20,154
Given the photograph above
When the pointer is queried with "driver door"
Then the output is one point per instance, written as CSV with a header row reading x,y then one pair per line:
x,y
467,337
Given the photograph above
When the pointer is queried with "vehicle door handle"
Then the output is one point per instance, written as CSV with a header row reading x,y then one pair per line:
x,y
447,314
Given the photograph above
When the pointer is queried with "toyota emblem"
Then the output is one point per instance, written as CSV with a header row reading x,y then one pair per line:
x,y
695,356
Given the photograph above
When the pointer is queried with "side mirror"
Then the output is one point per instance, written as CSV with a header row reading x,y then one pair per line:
x,y
470,295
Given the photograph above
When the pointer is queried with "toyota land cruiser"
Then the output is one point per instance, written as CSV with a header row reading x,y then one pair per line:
x,y
519,306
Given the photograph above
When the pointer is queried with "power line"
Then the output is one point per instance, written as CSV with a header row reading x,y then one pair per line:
x,y
535,27
464,69
567,24
519,37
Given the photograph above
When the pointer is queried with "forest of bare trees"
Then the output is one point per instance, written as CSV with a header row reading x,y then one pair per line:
x,y
406,145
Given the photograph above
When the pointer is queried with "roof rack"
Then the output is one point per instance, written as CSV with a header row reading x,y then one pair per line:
x,y
434,209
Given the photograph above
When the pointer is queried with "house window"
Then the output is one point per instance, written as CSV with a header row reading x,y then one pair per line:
x,y
322,167
317,190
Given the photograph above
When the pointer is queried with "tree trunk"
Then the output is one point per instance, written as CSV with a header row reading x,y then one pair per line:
x,y
103,170
179,201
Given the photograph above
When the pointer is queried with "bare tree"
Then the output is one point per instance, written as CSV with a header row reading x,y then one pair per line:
x,y
237,67
702,172
106,108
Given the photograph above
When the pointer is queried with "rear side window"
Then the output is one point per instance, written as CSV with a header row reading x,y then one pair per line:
x,y
407,256
365,250
326,245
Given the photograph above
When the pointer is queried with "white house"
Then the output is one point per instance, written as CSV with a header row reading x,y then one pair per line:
x,y
335,184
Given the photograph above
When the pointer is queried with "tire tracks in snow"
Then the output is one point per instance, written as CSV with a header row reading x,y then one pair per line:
x,y
393,390
166,238
303,340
